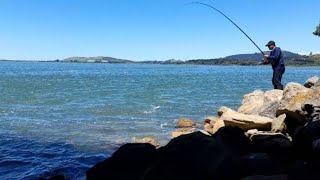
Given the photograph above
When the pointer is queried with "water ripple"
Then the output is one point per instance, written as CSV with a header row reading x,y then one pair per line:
x,y
64,117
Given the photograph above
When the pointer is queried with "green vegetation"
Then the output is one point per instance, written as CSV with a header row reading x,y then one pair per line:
x,y
291,59
317,31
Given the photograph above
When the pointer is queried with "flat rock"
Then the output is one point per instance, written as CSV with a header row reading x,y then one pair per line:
x,y
243,121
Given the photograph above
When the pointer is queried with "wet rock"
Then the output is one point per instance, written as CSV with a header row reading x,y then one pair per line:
x,y
197,156
129,162
243,121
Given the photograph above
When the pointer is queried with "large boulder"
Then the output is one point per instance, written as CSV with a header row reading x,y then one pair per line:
x,y
275,144
243,121
312,82
197,156
261,103
129,162
304,138
271,103
295,97
252,102
304,170
262,164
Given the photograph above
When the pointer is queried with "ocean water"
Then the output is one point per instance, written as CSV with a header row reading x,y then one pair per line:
x,y
62,118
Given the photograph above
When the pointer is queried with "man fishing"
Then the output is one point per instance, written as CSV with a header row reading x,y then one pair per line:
x,y
275,58
277,62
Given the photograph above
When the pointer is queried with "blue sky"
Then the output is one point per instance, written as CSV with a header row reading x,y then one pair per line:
x,y
152,29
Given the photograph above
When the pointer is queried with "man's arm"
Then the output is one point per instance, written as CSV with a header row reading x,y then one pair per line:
x,y
276,55
263,62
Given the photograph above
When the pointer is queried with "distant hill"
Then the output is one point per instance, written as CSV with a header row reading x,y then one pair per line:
x,y
98,59
258,56
292,59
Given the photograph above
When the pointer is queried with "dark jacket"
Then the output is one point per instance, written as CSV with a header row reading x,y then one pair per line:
x,y
276,57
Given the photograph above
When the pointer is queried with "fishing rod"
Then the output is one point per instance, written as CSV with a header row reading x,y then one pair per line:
x,y
204,4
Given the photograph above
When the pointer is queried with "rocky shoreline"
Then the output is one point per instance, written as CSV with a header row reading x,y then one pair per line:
x,y
273,135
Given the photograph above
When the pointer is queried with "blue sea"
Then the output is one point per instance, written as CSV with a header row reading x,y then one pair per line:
x,y
62,118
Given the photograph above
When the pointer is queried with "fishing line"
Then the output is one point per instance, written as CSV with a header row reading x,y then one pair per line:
x,y
204,4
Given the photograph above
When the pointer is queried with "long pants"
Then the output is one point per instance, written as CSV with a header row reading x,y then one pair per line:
x,y
277,76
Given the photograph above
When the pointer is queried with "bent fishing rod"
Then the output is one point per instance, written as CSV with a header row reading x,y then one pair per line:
x,y
204,4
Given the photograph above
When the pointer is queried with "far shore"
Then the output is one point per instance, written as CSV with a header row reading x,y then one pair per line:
x,y
229,63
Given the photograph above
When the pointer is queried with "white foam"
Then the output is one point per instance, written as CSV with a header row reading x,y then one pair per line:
x,y
153,110
164,124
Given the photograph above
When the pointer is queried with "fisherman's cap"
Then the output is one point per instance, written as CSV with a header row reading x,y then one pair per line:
x,y
271,43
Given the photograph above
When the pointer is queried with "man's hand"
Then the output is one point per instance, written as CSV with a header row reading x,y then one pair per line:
x,y
260,63
266,56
